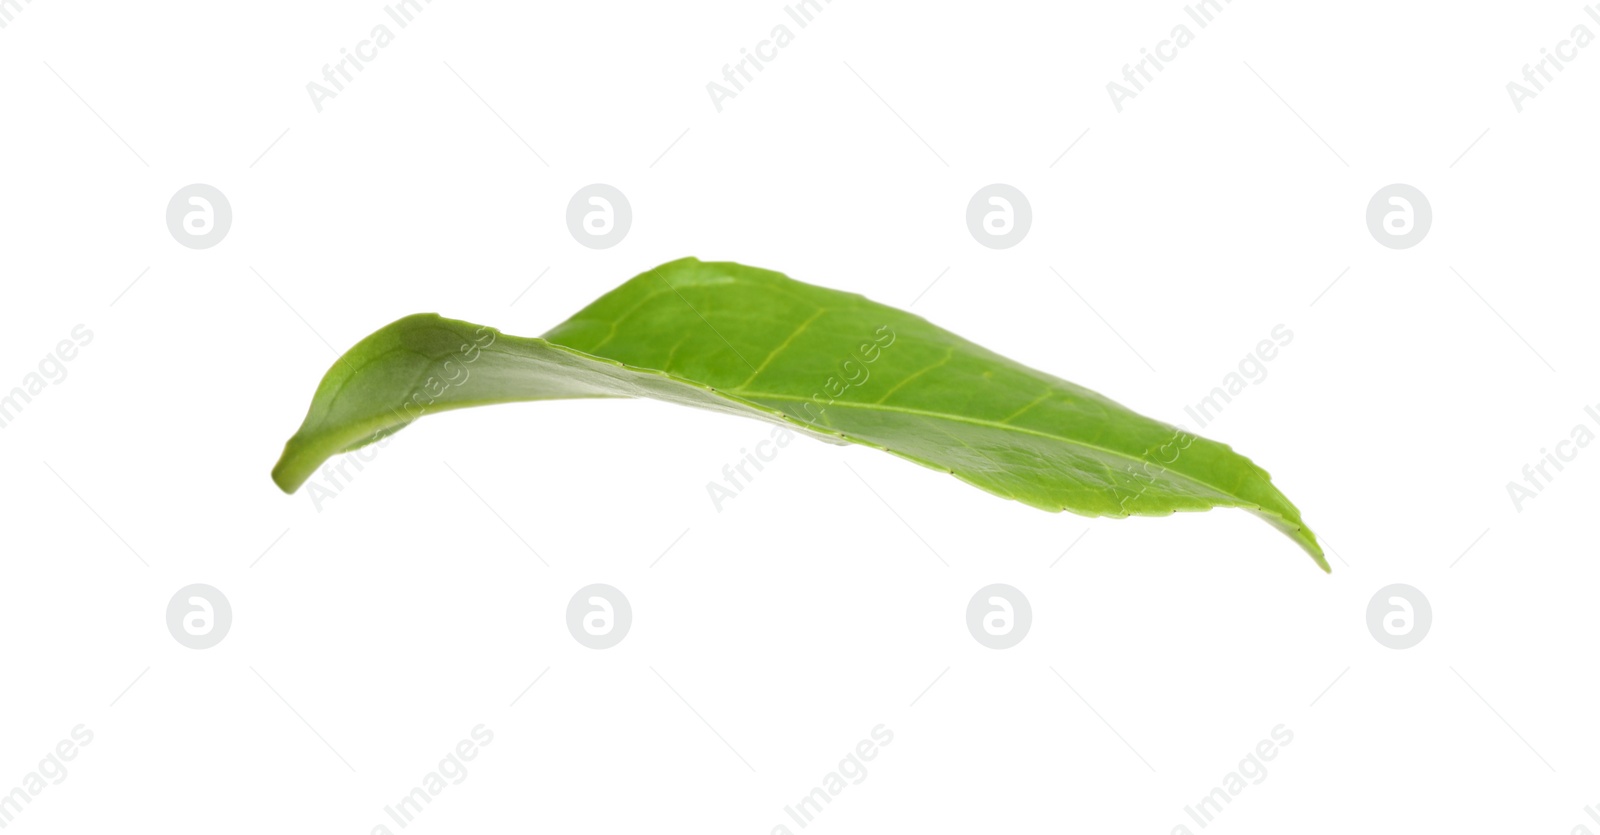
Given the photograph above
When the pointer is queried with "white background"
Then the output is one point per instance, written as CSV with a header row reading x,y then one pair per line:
x,y
374,634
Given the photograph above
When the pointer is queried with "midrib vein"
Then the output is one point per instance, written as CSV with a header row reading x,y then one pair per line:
x,y
747,395
751,398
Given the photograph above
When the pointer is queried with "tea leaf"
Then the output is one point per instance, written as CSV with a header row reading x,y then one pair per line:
x,y
829,364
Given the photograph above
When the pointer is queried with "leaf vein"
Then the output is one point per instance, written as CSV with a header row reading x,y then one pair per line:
x,y
949,354
771,355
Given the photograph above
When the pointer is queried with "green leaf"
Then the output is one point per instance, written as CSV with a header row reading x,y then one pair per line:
x,y
825,363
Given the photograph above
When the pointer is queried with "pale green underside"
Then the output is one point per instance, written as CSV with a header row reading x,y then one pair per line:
x,y
833,365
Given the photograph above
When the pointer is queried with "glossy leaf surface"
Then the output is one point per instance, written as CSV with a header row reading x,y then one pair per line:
x,y
830,364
